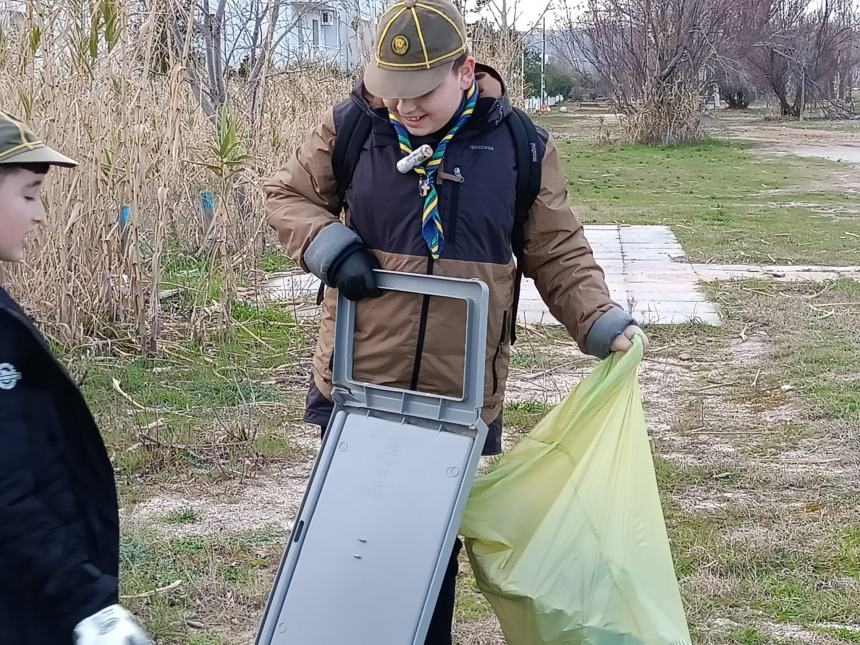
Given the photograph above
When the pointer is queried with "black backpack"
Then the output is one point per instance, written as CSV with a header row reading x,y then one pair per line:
x,y
529,149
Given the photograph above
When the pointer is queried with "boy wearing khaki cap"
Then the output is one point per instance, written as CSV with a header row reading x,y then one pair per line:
x,y
59,525
457,214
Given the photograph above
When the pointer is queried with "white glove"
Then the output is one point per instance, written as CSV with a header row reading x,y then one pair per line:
x,y
111,626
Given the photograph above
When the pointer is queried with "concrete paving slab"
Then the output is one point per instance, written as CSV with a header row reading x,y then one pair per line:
x,y
602,253
675,307
530,297
293,286
677,317
663,277
777,272
607,237
665,247
609,251
659,293
611,266
646,235
617,288
651,255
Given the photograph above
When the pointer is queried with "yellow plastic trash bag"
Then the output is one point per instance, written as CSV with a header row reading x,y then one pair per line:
x,y
566,535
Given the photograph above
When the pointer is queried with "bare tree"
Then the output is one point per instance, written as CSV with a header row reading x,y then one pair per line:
x,y
656,57
801,50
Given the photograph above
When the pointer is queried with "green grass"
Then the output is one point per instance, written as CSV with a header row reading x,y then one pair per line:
x,y
527,357
672,476
771,545
274,260
790,599
524,415
232,572
203,639
807,583
844,634
185,516
195,277
826,364
471,604
813,332
724,203
749,636
203,406
222,373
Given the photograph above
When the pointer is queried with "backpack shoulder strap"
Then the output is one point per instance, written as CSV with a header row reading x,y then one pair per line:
x,y
530,147
352,128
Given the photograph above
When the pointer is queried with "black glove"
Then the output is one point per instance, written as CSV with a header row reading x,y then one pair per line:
x,y
352,273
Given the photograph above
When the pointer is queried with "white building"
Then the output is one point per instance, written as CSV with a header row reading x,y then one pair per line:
x,y
335,31
11,14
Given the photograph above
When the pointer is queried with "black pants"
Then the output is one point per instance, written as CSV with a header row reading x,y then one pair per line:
x,y
442,623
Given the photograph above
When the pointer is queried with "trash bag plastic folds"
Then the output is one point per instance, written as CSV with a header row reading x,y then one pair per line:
x,y
566,534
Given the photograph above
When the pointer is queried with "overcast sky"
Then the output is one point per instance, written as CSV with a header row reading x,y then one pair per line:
x,y
531,11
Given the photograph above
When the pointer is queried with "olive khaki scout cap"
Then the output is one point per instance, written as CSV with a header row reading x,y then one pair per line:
x,y
416,43
18,145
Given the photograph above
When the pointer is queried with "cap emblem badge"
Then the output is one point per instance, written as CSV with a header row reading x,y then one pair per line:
x,y
400,45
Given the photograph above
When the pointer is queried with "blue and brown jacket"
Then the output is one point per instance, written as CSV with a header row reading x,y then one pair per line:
x,y
408,341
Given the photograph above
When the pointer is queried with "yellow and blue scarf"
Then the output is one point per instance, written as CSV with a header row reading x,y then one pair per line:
x,y
431,220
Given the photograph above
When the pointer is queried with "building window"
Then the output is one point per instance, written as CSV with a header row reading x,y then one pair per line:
x,y
327,17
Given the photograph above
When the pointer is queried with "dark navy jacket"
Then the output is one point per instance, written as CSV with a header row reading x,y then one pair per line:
x,y
59,525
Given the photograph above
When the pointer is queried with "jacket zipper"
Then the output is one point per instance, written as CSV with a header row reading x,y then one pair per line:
x,y
425,304
499,350
422,332
451,235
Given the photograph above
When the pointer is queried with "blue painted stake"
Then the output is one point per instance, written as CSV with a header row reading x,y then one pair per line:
x,y
124,219
207,207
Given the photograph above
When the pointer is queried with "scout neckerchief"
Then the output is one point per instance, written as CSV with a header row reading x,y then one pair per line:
x,y
431,221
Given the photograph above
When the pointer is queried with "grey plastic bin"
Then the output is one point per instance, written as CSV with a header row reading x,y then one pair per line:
x,y
375,530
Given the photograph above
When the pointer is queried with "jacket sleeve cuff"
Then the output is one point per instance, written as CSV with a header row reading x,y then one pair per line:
x,y
605,330
80,593
329,243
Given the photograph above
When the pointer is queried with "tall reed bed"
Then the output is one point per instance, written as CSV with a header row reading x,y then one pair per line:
x,y
158,179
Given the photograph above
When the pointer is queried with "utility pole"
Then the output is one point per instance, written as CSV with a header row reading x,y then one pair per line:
x,y
802,92
543,70
523,70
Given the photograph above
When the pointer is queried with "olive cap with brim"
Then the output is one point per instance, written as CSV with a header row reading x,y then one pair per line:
x,y
417,42
18,145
